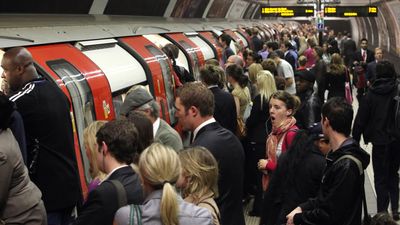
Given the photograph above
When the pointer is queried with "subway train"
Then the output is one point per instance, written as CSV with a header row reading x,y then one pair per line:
x,y
95,60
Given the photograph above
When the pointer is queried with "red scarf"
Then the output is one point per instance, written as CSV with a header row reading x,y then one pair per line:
x,y
272,143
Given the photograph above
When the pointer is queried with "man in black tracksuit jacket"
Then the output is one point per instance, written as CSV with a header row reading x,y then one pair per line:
x,y
374,121
45,111
339,200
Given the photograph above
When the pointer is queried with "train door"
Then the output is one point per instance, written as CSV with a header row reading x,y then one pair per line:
x,y
161,71
207,35
244,37
159,41
195,55
204,45
121,68
86,87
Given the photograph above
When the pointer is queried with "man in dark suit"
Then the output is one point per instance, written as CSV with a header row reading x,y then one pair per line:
x,y
224,104
349,47
371,67
118,144
289,54
362,57
194,109
256,43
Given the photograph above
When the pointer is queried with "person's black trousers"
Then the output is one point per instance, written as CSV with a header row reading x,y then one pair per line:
x,y
386,163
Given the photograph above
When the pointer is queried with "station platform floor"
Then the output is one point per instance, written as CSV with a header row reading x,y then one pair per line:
x,y
369,180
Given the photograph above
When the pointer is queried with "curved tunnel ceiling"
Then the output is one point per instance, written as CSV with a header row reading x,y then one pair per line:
x,y
166,8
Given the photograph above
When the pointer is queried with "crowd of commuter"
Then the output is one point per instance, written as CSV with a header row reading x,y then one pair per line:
x,y
273,121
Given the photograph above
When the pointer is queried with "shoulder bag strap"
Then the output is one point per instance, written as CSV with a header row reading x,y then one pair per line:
x,y
367,218
214,209
121,192
135,210
354,159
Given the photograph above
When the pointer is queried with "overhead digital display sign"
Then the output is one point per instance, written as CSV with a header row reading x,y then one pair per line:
x,y
351,11
287,11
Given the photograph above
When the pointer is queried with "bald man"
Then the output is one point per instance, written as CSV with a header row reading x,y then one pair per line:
x,y
46,114
234,59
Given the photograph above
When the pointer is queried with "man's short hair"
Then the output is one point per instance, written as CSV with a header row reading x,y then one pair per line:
x,y
210,75
270,65
339,114
225,38
364,39
273,55
385,69
121,138
273,44
197,95
288,45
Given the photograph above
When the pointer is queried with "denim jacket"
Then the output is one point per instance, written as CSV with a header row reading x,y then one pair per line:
x,y
150,210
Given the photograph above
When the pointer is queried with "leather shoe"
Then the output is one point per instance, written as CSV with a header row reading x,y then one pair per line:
x,y
396,216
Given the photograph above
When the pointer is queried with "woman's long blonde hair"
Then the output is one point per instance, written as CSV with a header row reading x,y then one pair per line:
x,y
201,168
254,69
266,85
89,140
159,166
336,67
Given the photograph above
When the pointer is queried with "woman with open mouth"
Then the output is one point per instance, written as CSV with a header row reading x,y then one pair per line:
x,y
282,107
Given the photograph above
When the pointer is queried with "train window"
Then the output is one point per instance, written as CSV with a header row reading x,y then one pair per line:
x,y
192,52
168,80
242,38
160,42
82,99
204,47
121,68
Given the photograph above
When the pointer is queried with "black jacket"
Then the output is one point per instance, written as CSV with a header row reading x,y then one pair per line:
x,y
319,71
102,202
309,111
257,44
228,152
224,109
45,111
18,130
375,114
371,71
256,123
358,57
349,48
285,193
339,199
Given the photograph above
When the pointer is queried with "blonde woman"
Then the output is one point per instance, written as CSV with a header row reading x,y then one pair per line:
x,y
89,140
159,168
336,77
199,179
253,71
257,128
